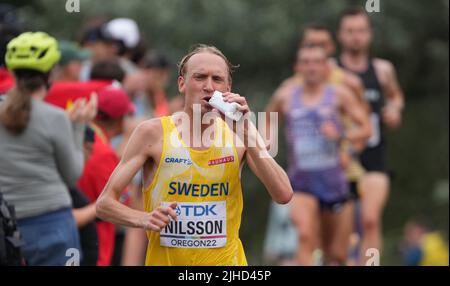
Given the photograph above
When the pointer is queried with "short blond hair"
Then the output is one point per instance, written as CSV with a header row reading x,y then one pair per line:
x,y
202,48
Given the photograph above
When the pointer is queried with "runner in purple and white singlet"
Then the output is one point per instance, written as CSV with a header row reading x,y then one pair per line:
x,y
314,131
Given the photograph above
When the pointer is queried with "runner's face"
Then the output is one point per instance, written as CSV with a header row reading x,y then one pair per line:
x,y
205,73
355,34
319,38
312,65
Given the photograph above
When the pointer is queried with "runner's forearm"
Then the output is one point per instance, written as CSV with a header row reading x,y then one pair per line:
x,y
84,215
110,209
396,100
356,136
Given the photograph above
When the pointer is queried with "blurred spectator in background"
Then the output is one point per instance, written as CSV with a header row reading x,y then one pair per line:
x,y
125,33
108,70
41,151
280,243
72,57
422,246
150,98
9,28
152,101
113,106
102,46
176,104
84,212
104,73
117,39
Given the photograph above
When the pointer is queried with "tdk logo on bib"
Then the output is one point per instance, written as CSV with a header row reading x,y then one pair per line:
x,y
178,161
196,210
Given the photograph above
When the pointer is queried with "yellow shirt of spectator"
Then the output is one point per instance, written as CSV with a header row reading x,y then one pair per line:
x,y
435,250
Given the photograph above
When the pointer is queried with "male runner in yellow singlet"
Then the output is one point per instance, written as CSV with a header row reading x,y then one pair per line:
x,y
192,195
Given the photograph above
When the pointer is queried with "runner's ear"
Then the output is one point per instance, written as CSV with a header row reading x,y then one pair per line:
x,y
181,84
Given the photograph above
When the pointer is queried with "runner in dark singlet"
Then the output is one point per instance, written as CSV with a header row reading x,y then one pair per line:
x,y
373,158
386,100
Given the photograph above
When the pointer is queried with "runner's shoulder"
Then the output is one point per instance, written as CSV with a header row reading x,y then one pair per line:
x,y
286,88
352,79
149,130
385,70
342,92
383,65
291,81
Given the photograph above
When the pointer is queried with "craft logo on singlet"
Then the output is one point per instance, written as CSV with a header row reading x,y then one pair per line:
x,y
223,160
171,160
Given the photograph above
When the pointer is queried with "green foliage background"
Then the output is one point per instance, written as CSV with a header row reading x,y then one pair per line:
x,y
261,36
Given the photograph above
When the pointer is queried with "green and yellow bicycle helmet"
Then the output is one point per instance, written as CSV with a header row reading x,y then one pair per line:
x,y
32,50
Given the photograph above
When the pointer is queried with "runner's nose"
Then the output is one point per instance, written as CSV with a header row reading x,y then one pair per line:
x,y
208,87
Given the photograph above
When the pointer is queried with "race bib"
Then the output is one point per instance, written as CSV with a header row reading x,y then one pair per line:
x,y
314,153
198,225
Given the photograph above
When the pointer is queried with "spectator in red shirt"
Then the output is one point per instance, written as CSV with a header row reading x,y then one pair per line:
x,y
104,73
113,106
